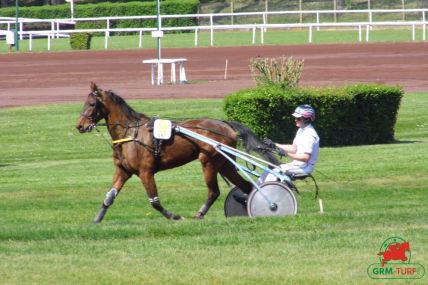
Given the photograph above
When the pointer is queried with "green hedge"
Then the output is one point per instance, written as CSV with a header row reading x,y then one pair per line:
x,y
353,115
112,9
32,3
80,41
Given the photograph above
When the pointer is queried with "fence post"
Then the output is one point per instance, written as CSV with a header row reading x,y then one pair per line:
x,y
413,32
106,39
370,17
359,33
423,25
212,31
318,21
264,21
254,35
231,11
310,33
108,27
335,8
266,10
30,46
53,26
423,31
367,32
140,40
196,37
21,30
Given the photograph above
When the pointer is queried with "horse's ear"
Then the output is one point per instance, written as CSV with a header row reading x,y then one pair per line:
x,y
94,87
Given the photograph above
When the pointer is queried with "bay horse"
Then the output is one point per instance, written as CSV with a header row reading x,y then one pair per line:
x,y
135,152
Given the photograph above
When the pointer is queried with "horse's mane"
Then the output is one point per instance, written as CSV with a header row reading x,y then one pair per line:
x,y
128,110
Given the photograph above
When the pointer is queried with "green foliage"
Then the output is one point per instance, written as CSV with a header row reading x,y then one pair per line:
x,y
354,115
107,9
39,12
283,71
373,113
80,41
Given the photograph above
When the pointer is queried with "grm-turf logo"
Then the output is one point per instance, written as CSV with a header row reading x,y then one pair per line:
x,y
394,261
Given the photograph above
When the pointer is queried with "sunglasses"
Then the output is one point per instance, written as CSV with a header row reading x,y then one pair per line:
x,y
298,119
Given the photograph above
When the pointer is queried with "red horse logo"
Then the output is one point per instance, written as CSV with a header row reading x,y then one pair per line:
x,y
395,251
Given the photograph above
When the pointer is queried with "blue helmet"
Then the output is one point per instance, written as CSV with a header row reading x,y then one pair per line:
x,y
305,111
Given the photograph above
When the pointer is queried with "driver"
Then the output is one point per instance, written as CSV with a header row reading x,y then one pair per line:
x,y
305,148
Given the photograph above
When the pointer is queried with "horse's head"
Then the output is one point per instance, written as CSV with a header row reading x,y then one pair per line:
x,y
405,245
93,110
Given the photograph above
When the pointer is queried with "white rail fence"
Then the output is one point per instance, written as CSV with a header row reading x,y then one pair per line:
x,y
262,26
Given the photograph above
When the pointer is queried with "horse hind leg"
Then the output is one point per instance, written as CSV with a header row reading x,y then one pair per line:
x,y
210,170
229,171
149,184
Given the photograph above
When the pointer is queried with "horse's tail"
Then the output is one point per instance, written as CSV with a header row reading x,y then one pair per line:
x,y
252,143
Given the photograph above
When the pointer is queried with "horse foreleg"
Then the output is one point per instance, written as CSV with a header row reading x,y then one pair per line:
x,y
210,176
119,179
148,181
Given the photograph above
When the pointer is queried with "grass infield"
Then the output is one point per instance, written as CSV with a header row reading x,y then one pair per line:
x,y
53,180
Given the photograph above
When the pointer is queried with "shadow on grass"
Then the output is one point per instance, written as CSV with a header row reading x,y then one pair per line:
x,y
403,142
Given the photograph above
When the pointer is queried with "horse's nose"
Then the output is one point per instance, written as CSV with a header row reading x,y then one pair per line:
x,y
80,128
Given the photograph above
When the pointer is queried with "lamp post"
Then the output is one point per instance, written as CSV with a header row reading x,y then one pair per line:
x,y
71,8
158,38
16,25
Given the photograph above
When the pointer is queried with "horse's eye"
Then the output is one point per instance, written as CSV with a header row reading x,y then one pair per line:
x,y
91,104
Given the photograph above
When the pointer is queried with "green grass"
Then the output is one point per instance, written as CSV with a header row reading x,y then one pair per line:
x,y
231,38
53,180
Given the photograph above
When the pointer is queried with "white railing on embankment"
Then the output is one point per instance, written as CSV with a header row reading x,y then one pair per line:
x,y
262,26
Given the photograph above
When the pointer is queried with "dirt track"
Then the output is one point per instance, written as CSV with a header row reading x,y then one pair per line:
x,y
42,78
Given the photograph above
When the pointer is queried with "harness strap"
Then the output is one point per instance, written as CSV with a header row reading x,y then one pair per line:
x,y
128,139
303,177
317,192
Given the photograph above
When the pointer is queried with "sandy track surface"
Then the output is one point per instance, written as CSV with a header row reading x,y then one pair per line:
x,y
44,78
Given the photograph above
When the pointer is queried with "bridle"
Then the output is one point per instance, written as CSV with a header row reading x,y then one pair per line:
x,y
97,113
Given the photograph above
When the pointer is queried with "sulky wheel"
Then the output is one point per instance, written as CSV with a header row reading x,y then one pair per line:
x,y
273,199
232,208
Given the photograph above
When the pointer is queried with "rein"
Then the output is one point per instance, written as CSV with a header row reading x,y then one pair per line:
x,y
121,125
115,143
209,130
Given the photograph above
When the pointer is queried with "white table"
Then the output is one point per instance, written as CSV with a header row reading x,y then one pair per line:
x,y
160,62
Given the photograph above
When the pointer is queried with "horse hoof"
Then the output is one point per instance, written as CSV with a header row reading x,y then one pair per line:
x,y
96,221
176,218
199,216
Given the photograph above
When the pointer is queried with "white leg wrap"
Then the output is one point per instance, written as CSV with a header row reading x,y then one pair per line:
x,y
110,196
154,200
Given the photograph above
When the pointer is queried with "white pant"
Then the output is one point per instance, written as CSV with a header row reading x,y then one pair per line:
x,y
291,168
